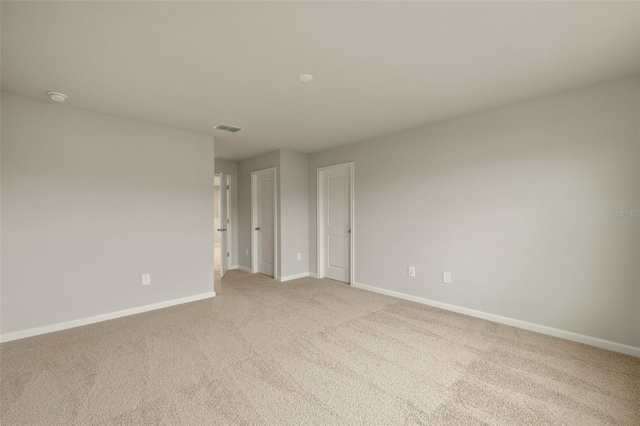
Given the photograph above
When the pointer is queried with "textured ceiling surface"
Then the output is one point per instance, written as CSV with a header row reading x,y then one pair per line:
x,y
379,67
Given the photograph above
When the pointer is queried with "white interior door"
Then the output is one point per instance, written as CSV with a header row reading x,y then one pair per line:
x,y
264,223
336,211
224,225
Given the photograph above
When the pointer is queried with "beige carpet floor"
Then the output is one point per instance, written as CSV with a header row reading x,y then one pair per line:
x,y
310,352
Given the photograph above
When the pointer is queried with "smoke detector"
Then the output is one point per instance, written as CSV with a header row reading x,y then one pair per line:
x,y
227,128
57,96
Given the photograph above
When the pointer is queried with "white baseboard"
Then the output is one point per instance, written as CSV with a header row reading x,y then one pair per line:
x,y
281,279
313,275
242,268
292,277
7,337
568,335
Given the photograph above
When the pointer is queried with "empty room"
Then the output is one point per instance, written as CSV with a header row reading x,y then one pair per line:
x,y
335,213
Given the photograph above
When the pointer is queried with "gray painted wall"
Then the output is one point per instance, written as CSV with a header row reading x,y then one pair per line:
x,y
294,203
245,168
514,203
90,202
230,167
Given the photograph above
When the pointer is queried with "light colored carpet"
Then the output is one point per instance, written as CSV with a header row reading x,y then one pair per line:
x,y
311,352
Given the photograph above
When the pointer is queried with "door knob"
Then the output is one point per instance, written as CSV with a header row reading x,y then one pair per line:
x,y
219,229
258,228
349,231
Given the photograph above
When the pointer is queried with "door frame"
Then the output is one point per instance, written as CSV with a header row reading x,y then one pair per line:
x,y
320,219
254,220
227,178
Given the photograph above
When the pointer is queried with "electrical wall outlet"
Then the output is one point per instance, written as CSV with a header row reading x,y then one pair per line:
x,y
411,271
299,256
246,252
446,277
146,279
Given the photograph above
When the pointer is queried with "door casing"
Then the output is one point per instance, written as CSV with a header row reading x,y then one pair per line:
x,y
320,220
254,220
223,204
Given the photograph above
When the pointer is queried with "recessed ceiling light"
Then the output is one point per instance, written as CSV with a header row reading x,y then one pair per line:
x,y
305,78
56,96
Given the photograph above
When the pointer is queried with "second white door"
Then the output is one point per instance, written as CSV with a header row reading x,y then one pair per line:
x,y
224,224
264,221
336,222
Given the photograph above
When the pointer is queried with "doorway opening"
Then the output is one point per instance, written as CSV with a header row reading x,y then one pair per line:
x,y
336,231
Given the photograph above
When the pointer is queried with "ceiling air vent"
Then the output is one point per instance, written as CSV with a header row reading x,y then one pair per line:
x,y
228,128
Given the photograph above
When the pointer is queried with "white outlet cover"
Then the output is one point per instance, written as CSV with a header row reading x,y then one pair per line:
x,y
446,277
146,279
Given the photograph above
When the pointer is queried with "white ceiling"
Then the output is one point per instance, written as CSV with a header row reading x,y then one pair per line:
x,y
379,67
